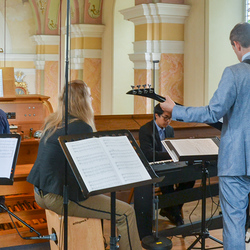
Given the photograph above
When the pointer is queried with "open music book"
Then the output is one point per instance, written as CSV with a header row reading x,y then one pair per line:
x,y
9,148
192,149
106,162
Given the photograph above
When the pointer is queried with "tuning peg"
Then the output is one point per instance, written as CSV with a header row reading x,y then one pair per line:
x,y
145,91
139,90
132,86
151,90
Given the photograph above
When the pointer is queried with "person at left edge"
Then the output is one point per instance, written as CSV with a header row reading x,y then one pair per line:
x,y
4,129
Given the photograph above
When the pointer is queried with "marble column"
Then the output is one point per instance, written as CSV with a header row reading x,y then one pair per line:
x,y
47,66
86,48
159,36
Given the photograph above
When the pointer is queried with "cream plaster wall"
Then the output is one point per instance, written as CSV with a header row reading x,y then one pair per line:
x,y
194,51
21,26
5,41
123,70
207,48
115,59
19,49
222,16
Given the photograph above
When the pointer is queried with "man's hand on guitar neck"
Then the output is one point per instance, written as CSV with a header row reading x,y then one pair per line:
x,y
168,105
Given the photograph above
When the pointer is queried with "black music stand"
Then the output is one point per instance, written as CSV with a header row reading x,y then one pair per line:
x,y
65,142
9,149
204,233
179,153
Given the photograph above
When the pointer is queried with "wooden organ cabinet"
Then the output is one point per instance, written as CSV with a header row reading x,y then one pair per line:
x,y
26,114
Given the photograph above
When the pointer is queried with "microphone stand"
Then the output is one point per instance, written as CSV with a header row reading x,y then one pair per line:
x,y
52,236
154,242
65,188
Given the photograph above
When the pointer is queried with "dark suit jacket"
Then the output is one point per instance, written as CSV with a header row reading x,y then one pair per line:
x,y
4,124
146,141
48,171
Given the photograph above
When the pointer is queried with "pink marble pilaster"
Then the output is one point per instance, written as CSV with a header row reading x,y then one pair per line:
x,y
92,76
51,82
171,76
142,105
74,74
38,81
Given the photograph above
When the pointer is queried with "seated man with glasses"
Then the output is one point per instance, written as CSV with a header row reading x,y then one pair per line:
x,y
162,129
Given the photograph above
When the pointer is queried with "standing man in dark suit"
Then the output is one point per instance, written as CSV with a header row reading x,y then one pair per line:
x,y
4,129
154,151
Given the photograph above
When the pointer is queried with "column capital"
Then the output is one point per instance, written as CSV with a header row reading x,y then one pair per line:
x,y
144,60
47,49
156,13
46,39
40,65
86,42
87,30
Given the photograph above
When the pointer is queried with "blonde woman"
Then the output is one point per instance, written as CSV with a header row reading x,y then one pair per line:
x,y
47,174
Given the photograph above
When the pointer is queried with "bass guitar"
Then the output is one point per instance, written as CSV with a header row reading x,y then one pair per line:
x,y
150,93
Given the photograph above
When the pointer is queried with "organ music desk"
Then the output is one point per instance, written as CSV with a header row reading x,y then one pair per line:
x,y
24,112
174,173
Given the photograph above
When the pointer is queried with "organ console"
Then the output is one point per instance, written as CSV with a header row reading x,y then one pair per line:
x,y
26,114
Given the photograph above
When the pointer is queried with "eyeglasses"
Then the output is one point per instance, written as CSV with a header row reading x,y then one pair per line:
x,y
166,118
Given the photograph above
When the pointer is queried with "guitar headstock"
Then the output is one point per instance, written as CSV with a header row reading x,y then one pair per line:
x,y
146,92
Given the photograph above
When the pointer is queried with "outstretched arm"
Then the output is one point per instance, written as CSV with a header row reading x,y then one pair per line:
x,y
168,105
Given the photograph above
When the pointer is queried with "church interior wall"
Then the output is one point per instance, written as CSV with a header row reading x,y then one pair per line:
x,y
206,49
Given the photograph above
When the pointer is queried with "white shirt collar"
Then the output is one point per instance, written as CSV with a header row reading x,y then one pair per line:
x,y
158,128
245,56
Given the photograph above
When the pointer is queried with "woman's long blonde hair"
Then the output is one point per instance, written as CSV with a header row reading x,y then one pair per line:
x,y
79,106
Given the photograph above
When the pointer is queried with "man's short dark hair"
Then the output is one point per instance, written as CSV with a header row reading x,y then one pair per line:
x,y
241,33
158,110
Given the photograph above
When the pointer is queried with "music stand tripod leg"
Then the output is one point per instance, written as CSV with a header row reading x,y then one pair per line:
x,y
113,238
204,231
194,243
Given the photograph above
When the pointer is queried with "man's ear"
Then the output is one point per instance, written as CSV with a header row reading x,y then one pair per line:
x,y
237,45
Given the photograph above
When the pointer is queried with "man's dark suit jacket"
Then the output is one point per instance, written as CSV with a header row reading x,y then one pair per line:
x,y
146,141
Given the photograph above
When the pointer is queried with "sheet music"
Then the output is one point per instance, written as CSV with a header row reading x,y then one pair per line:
x,y
107,162
191,147
1,83
7,152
